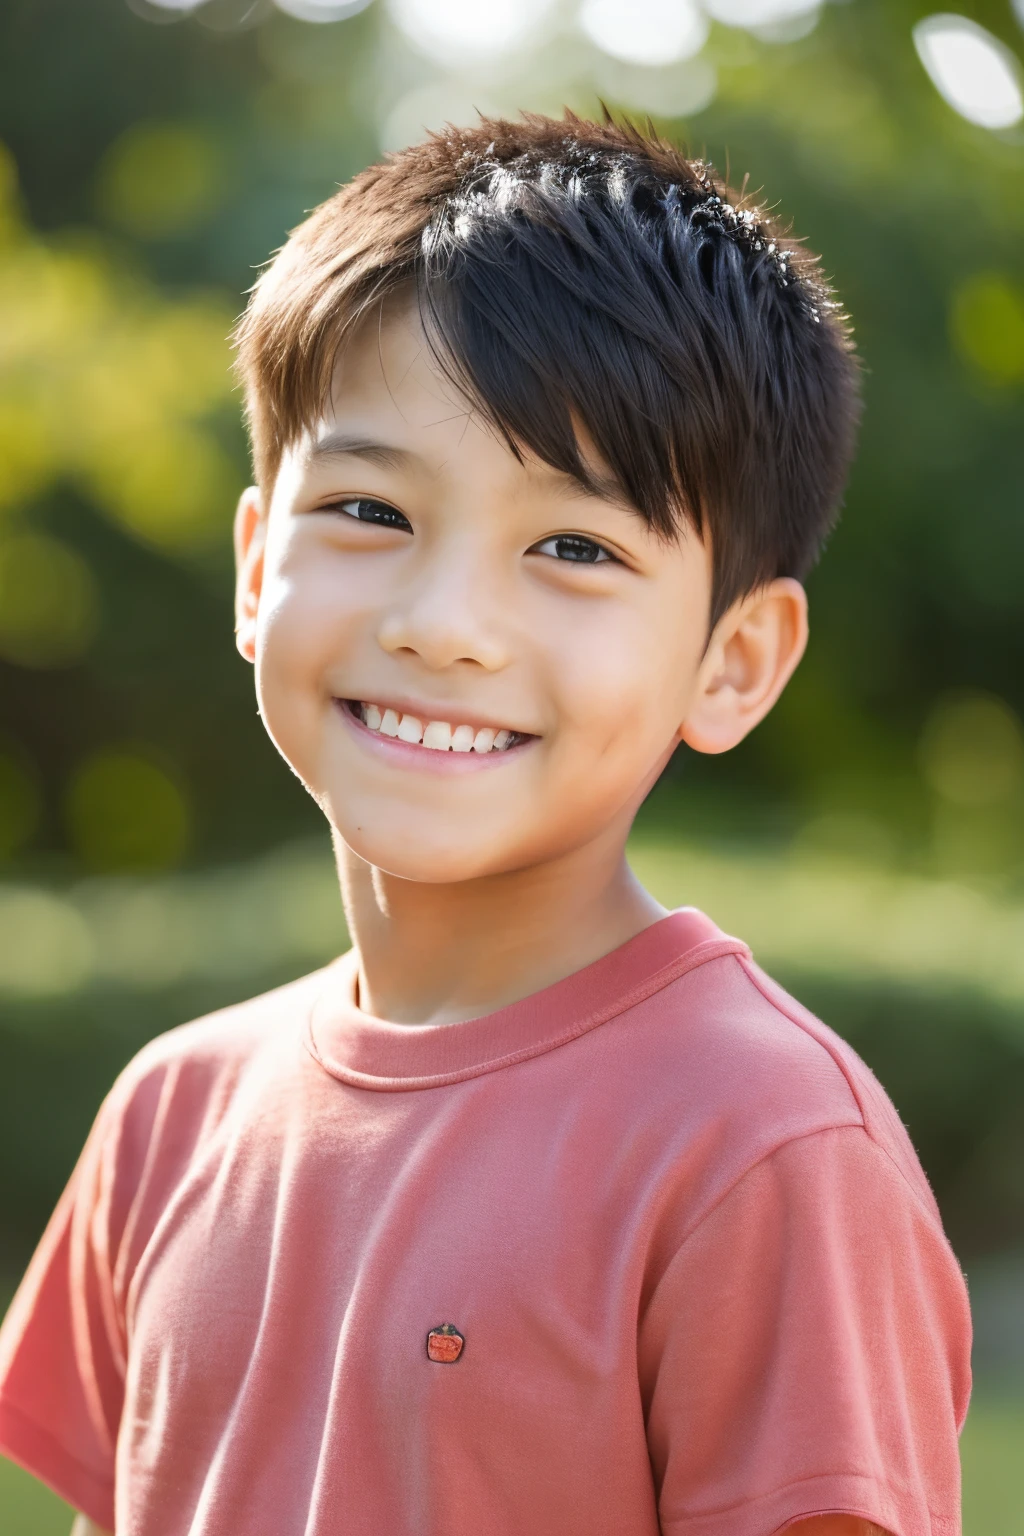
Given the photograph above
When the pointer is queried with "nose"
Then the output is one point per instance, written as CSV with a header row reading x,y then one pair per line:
x,y
446,614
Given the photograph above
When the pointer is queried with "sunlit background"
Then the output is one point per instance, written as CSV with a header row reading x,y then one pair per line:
x,y
157,860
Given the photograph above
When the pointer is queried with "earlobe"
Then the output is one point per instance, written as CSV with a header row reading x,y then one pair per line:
x,y
250,540
754,651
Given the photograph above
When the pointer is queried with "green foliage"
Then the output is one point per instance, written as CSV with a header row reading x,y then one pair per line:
x,y
28,1507
19,805
124,812
47,601
107,385
990,1454
987,325
158,179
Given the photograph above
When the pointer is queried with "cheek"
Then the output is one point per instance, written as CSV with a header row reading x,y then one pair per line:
x,y
309,624
625,675
310,608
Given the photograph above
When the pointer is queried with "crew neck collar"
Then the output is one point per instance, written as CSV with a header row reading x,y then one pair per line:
x,y
367,1052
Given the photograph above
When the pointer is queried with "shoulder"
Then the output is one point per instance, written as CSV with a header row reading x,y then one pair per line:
x,y
875,1110
729,1050
785,1153
191,1073
231,1034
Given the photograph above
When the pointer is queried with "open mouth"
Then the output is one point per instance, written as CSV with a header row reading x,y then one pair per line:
x,y
435,735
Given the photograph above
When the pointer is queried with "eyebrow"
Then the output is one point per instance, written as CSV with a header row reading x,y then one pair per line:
x,y
604,487
336,445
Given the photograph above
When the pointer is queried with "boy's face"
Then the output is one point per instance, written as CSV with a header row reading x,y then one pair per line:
x,y
410,564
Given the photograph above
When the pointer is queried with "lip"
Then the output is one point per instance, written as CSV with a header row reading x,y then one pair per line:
x,y
407,754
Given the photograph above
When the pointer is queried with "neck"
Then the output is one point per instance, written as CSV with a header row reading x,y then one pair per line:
x,y
438,954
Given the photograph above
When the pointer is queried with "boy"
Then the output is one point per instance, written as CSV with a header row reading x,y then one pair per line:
x,y
542,1211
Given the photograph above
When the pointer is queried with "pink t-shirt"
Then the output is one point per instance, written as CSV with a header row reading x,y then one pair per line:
x,y
649,1249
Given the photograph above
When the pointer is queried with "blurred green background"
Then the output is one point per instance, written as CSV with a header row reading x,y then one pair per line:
x,y
157,859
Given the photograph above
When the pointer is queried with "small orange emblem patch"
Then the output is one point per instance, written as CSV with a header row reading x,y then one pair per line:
x,y
444,1344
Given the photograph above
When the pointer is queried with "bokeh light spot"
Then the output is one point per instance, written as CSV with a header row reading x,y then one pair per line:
x,y
167,5
987,326
650,32
48,601
124,813
429,107
760,13
972,749
158,179
465,30
674,90
971,70
25,464
322,10
173,488
20,805
45,946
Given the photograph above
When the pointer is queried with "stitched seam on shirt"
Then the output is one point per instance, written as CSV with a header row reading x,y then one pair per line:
x,y
10,1406
766,1157
755,981
682,965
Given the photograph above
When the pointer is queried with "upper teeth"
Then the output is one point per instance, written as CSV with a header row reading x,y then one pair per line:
x,y
437,734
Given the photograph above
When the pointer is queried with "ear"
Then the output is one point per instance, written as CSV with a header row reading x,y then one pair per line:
x,y
752,654
250,542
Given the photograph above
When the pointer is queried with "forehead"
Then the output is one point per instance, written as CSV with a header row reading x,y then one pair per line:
x,y
389,390
387,365
390,397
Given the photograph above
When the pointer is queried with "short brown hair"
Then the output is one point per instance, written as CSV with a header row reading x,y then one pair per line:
x,y
575,274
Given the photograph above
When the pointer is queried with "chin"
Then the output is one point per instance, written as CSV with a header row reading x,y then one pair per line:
x,y
425,859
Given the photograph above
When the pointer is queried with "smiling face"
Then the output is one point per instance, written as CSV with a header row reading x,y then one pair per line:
x,y
473,664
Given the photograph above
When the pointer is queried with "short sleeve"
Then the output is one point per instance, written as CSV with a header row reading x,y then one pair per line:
x,y
806,1351
62,1344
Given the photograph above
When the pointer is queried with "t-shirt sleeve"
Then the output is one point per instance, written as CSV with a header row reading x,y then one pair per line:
x,y
806,1351
62,1345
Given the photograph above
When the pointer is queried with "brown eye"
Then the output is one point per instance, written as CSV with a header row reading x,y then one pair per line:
x,y
366,510
574,548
